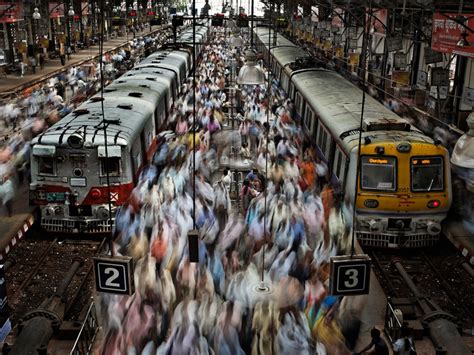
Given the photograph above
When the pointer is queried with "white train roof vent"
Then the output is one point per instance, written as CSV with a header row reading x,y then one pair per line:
x,y
110,89
135,94
385,124
125,106
97,99
144,86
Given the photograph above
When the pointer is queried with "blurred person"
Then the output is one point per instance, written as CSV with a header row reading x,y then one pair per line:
x,y
7,193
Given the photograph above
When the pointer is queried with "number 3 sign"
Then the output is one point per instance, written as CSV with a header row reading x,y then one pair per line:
x,y
114,275
350,275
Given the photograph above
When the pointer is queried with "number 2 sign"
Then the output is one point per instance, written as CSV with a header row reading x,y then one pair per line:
x,y
350,275
114,275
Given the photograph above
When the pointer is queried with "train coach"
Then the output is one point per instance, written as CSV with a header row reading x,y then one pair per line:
x,y
403,180
95,154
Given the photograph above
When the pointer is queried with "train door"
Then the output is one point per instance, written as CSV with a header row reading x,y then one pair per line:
x,y
339,165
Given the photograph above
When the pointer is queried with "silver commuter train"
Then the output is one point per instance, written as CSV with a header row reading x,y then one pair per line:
x,y
405,190
68,162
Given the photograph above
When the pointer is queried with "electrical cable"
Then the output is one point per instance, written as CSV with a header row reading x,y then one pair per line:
x,y
358,167
102,86
194,113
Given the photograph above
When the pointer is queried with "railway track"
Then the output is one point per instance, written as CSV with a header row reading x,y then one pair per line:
x,y
40,265
439,273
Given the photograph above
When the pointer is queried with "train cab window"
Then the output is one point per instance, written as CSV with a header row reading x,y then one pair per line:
x,y
427,174
378,173
112,165
46,166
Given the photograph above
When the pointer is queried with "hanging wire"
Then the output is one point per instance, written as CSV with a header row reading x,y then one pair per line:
x,y
364,70
102,85
265,187
194,113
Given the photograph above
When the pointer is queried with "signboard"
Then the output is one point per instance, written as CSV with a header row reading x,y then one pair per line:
x,y
394,44
442,92
439,77
399,60
468,97
21,47
446,33
11,12
349,275
339,52
432,56
56,10
114,274
377,22
353,43
421,79
400,78
354,59
352,32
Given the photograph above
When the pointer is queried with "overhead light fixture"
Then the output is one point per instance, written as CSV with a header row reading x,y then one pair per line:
x,y
36,14
463,41
250,73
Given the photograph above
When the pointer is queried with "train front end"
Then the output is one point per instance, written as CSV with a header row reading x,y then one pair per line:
x,y
403,191
70,186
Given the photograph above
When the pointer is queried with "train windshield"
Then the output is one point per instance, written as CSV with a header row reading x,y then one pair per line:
x,y
378,173
427,174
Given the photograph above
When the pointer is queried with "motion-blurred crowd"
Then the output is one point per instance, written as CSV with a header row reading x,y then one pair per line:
x,y
272,215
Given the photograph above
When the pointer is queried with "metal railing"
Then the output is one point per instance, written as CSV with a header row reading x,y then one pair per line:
x,y
393,322
86,337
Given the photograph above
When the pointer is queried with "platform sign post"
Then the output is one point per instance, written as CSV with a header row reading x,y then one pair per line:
x,y
350,275
114,274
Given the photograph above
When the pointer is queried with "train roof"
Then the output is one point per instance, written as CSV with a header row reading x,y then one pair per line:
x,y
140,83
339,103
287,55
123,118
263,33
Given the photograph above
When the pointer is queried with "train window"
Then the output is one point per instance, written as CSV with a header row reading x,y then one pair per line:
x,y
46,166
427,174
338,164
112,165
378,172
324,143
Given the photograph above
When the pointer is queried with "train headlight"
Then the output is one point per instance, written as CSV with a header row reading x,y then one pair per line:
x,y
433,228
95,193
371,203
375,226
433,204
404,147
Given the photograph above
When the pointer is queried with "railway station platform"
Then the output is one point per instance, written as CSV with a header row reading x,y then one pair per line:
x,y
14,228
13,83
461,238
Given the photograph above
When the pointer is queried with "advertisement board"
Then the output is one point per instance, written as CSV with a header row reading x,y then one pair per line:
x,y
11,12
446,33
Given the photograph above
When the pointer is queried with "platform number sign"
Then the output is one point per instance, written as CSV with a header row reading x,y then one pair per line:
x,y
350,275
114,275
